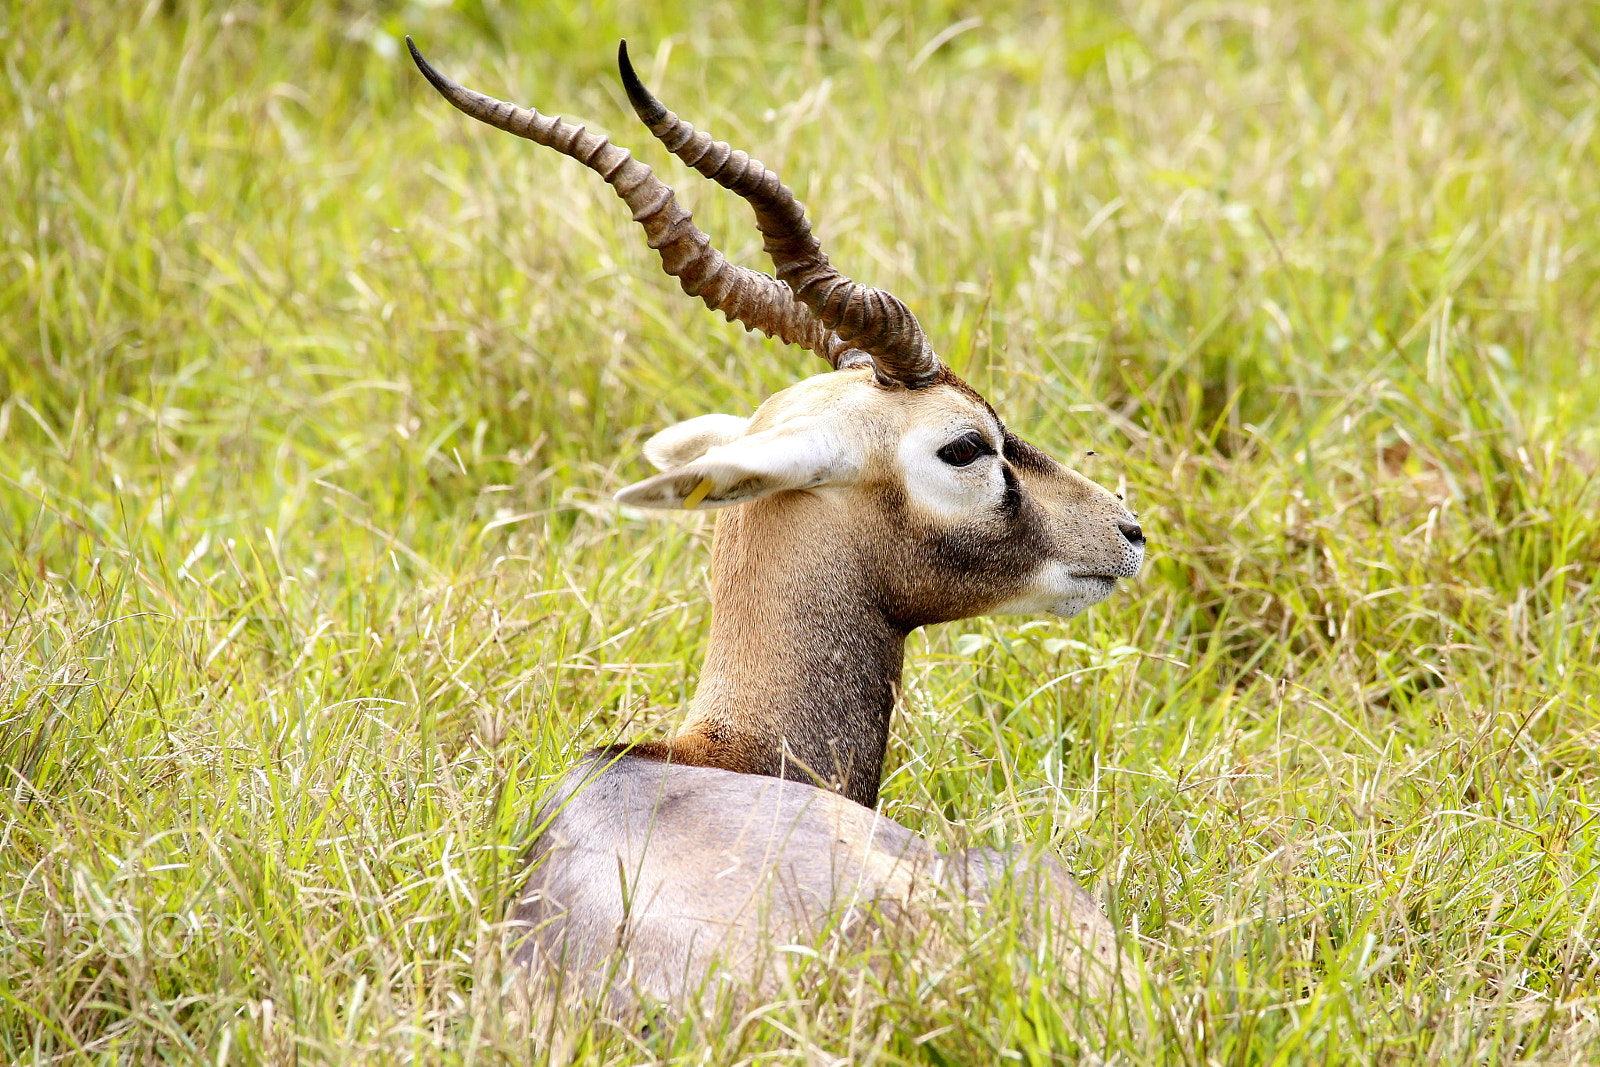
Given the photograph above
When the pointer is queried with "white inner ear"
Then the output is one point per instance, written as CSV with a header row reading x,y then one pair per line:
x,y
687,441
801,454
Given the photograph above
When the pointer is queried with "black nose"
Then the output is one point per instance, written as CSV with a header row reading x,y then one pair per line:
x,y
1133,532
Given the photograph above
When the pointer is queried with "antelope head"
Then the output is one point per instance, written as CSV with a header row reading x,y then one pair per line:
x,y
867,501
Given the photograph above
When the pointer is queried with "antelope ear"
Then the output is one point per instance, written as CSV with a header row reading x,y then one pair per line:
x,y
688,441
792,456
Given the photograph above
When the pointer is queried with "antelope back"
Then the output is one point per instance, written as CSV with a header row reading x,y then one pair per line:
x,y
670,885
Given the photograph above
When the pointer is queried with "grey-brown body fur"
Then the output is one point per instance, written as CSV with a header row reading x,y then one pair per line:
x,y
862,504
659,884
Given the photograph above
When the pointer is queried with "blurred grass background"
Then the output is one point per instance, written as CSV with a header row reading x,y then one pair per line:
x,y
313,393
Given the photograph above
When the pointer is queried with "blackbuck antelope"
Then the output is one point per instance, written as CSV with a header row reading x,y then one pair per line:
x,y
861,504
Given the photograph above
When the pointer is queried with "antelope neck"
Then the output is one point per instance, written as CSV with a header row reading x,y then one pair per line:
x,y
803,666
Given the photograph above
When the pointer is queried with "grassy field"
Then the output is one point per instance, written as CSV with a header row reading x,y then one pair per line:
x,y
313,395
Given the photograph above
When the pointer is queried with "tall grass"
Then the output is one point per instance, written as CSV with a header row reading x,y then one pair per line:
x,y
312,395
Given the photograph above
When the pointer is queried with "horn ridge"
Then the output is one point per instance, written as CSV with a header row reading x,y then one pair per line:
x,y
755,300
872,320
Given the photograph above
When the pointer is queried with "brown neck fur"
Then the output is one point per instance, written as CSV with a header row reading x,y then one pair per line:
x,y
803,667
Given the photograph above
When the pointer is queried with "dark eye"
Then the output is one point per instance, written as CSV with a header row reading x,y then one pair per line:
x,y
963,450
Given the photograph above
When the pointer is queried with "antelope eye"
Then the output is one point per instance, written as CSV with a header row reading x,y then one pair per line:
x,y
963,450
